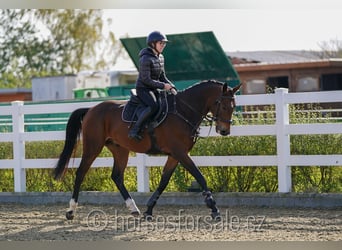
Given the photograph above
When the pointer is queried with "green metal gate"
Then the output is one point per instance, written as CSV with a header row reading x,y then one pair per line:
x,y
189,58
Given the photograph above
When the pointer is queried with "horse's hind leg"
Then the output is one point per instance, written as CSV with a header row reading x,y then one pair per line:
x,y
120,163
168,170
90,152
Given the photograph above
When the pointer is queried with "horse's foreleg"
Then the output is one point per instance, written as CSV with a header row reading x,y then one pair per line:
x,y
187,162
120,162
169,168
211,203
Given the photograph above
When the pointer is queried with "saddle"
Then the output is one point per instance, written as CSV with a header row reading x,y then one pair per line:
x,y
134,107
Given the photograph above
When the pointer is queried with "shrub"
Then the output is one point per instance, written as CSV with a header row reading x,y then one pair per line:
x,y
219,178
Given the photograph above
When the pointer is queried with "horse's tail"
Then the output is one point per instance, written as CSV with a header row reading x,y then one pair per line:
x,y
73,130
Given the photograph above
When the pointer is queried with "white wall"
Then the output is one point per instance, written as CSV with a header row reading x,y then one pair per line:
x,y
53,88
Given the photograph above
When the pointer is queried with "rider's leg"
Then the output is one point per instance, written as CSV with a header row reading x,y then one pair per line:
x,y
135,130
150,101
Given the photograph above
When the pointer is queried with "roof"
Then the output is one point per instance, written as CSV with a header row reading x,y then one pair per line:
x,y
325,63
189,56
15,90
247,61
277,56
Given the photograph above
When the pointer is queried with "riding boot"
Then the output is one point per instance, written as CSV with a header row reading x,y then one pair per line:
x,y
135,131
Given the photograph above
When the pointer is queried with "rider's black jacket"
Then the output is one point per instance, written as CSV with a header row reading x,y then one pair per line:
x,y
151,70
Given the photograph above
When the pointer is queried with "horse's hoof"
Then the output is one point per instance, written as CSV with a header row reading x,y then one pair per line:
x,y
148,217
216,216
135,213
69,215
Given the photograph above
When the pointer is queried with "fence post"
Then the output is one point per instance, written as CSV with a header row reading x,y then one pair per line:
x,y
142,174
18,147
283,141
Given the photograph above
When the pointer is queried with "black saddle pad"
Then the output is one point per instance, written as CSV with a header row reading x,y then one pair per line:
x,y
133,107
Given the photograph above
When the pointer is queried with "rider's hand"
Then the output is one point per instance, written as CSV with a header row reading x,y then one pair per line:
x,y
167,86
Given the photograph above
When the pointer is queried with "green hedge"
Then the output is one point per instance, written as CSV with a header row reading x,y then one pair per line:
x,y
220,179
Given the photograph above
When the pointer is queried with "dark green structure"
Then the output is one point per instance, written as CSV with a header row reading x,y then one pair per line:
x,y
189,58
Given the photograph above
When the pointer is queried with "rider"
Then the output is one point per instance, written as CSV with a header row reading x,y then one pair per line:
x,y
151,77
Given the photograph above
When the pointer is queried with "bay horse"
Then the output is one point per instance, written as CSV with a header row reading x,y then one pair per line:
x,y
102,125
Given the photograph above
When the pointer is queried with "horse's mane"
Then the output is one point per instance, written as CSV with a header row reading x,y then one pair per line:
x,y
201,83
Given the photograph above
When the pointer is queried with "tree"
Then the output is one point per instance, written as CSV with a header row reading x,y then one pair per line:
x,y
22,53
79,34
73,41
331,48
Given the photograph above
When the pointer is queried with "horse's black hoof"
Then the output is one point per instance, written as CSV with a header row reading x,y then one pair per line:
x,y
69,215
148,217
216,216
135,213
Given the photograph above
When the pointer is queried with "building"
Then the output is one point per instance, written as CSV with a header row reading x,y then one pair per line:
x,y
299,71
16,94
53,87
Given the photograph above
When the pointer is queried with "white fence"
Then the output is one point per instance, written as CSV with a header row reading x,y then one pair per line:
x,y
282,129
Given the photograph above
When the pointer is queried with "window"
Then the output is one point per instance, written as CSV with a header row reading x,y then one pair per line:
x,y
306,84
255,87
278,82
331,82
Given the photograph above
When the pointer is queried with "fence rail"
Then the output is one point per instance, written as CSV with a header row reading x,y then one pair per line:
x,y
282,129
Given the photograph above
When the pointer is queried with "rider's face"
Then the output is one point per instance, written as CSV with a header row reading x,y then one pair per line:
x,y
160,46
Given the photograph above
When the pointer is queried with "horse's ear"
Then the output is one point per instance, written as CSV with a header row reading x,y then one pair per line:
x,y
235,89
225,87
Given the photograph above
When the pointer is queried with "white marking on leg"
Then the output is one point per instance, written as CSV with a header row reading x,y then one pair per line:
x,y
72,205
130,204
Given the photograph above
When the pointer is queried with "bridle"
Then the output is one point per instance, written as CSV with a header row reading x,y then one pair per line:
x,y
218,102
209,118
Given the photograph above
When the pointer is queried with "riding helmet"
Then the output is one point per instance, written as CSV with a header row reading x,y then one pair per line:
x,y
155,36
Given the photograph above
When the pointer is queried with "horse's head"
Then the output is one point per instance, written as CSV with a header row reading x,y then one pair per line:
x,y
223,109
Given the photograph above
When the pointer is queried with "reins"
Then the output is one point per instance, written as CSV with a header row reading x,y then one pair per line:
x,y
194,126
